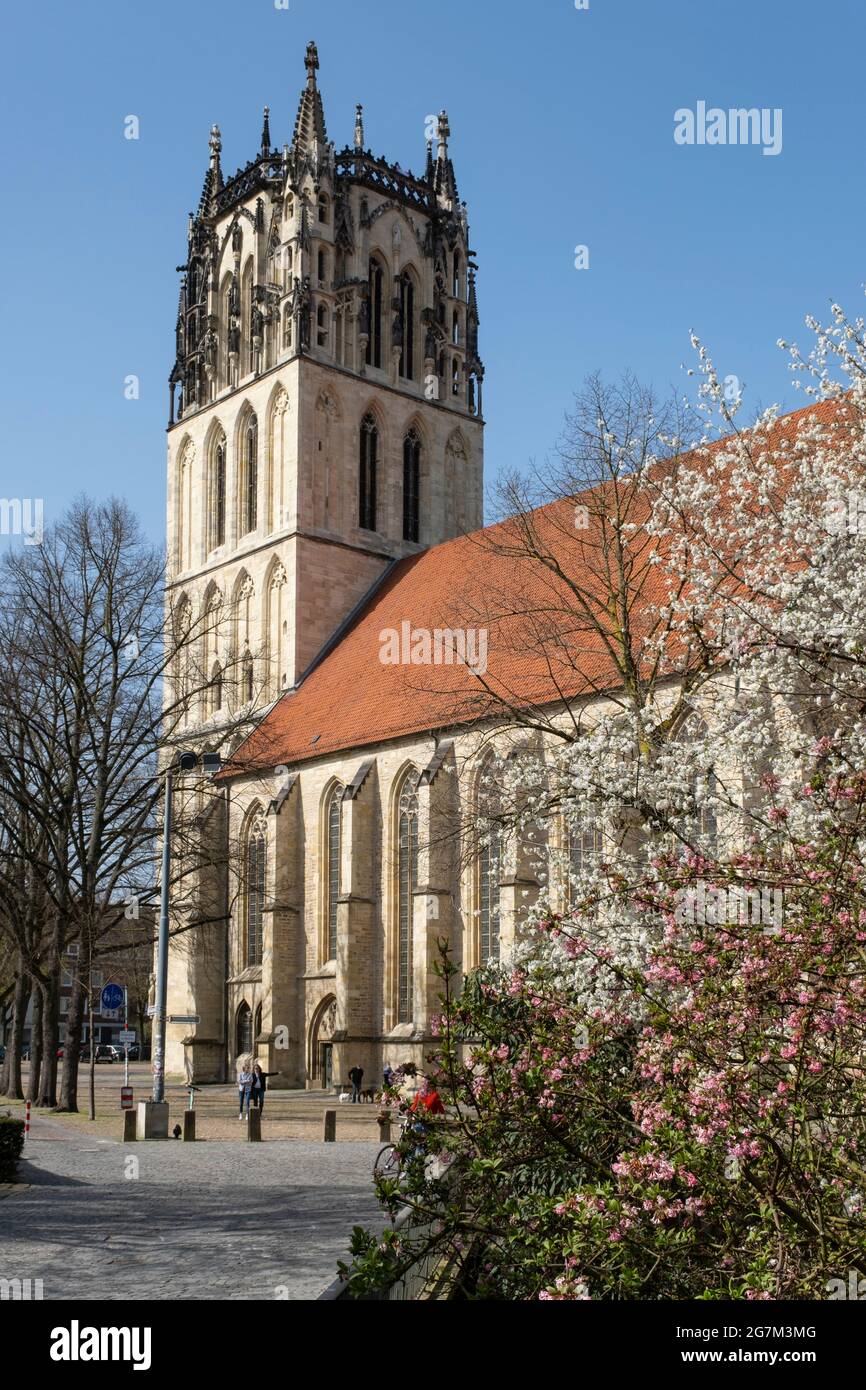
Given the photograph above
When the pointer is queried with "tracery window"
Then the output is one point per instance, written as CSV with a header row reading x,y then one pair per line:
x,y
368,464
407,882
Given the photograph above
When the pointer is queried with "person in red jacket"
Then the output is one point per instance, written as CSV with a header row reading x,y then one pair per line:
x,y
429,1099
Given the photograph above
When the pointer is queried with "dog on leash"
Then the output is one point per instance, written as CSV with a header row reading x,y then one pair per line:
x,y
367,1094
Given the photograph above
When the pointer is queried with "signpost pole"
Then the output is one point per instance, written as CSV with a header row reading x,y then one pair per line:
x,y
162,952
126,1030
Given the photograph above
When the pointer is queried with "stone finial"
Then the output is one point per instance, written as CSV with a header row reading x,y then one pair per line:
x,y
266,131
359,127
311,63
443,131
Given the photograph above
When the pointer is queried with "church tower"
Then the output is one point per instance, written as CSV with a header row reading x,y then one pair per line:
x,y
325,402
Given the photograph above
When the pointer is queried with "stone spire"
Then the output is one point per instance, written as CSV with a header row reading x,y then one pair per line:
x,y
266,131
213,179
359,127
445,182
310,124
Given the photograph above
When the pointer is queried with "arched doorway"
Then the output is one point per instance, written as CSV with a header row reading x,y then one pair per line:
x,y
243,1030
320,1047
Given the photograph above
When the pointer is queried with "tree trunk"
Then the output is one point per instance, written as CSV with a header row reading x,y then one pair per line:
x,y
35,1046
12,1078
72,1049
91,1037
50,1039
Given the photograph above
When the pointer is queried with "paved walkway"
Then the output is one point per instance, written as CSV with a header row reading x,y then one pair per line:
x,y
103,1220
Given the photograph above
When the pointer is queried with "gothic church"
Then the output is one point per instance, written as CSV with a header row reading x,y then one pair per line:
x,y
325,425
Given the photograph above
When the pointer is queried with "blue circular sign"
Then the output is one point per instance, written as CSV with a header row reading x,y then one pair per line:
x,y
112,997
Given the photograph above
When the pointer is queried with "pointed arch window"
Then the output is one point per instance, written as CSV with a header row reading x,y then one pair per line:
x,y
368,463
322,326
700,828
377,290
407,314
250,498
411,486
584,849
333,850
407,882
456,288
216,690
706,821
254,884
489,870
244,1030
218,495
247,680
324,211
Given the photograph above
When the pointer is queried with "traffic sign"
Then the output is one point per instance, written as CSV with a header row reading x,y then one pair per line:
x,y
112,997
151,1010
126,1097
126,1035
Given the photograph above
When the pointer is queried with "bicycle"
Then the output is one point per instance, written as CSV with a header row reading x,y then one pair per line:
x,y
389,1161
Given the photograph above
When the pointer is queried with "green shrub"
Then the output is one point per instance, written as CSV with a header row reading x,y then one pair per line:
x,y
11,1144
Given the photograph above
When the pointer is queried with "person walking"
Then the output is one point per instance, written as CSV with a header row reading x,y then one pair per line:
x,y
260,1085
387,1075
245,1086
356,1076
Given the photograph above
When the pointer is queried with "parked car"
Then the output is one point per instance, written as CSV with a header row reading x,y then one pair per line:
x,y
134,1052
107,1052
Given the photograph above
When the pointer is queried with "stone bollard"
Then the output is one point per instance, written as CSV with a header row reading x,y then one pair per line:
x,y
188,1126
254,1126
384,1129
130,1120
330,1133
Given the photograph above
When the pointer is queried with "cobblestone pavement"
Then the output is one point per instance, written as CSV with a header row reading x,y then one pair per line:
x,y
216,1220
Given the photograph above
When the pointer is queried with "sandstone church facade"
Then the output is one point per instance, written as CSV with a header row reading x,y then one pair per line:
x,y
325,426
326,548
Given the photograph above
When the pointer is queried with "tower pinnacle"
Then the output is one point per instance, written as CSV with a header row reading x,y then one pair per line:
x,y
310,124
443,131
312,64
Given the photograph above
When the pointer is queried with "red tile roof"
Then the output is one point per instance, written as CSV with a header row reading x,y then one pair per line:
x,y
540,648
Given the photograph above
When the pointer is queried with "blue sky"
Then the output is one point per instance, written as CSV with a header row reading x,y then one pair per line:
x,y
562,134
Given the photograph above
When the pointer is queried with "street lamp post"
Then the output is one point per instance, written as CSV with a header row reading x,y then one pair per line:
x,y
153,1114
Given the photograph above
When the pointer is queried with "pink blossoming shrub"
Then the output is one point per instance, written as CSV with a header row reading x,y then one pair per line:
x,y
701,1136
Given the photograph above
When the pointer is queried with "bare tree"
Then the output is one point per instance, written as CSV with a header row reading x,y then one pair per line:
x,y
99,679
